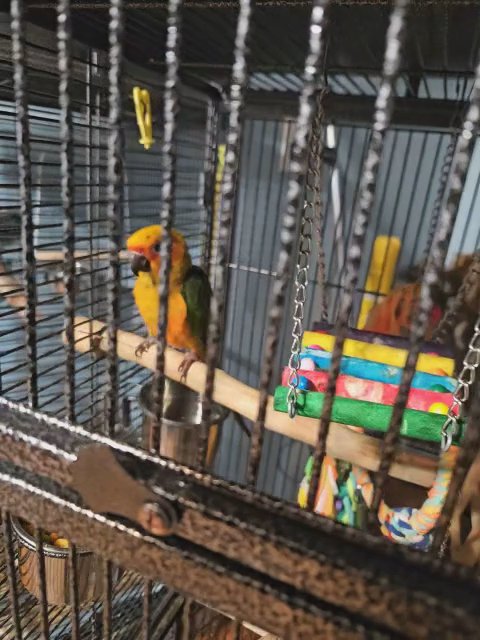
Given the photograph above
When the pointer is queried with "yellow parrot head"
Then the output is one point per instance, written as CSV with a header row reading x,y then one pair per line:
x,y
144,245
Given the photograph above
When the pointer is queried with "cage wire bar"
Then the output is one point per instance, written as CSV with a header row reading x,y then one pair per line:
x,y
314,600
238,88
384,107
289,225
170,108
436,260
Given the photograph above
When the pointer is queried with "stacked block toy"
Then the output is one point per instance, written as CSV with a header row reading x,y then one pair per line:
x,y
370,372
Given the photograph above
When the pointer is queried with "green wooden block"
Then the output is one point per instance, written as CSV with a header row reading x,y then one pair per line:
x,y
372,416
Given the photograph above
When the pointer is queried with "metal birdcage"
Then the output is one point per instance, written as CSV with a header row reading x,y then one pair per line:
x,y
286,137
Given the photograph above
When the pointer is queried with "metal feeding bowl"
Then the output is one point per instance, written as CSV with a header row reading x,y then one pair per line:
x,y
182,417
57,571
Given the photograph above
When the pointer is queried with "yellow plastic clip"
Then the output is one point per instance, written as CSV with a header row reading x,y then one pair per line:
x,y
143,111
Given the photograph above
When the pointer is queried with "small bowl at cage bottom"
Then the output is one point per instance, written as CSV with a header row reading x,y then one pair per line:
x,y
57,570
182,417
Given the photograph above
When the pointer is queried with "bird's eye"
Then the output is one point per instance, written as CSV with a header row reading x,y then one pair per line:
x,y
156,247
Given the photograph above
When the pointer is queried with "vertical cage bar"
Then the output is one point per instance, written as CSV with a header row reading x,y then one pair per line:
x,y
319,207
363,209
43,605
435,262
11,574
447,322
184,627
147,609
90,94
73,571
25,187
170,115
446,168
238,89
115,203
297,169
207,191
107,600
236,629
468,453
64,37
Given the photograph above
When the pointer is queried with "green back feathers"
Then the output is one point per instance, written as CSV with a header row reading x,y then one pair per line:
x,y
197,293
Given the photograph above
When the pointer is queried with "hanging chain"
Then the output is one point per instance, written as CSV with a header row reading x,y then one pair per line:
x,y
312,208
318,208
461,394
301,282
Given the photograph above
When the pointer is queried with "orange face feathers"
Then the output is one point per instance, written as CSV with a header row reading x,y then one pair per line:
x,y
145,242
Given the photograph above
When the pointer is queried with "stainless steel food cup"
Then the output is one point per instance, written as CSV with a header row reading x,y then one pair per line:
x,y
182,417
57,570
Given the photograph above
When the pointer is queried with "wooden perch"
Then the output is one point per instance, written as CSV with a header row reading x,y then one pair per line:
x,y
342,443
12,290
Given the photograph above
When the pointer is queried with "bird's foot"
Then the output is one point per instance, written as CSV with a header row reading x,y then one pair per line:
x,y
186,363
144,346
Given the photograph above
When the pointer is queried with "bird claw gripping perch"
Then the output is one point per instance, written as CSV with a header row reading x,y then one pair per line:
x,y
144,346
143,111
184,367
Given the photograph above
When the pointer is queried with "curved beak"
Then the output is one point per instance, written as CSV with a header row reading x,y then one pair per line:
x,y
139,263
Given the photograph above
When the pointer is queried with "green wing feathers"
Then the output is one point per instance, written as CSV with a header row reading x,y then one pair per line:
x,y
197,293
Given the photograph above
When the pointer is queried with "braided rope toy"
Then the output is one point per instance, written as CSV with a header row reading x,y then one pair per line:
x,y
402,525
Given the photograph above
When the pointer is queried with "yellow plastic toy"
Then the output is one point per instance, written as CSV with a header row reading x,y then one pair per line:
x,y
380,274
143,111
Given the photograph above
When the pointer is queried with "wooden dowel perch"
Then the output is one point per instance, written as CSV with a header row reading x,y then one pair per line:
x,y
342,443
12,290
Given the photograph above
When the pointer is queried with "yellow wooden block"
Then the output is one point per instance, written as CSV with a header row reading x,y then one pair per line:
x,y
428,363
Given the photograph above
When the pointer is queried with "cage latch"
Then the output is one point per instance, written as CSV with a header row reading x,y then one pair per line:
x,y
106,487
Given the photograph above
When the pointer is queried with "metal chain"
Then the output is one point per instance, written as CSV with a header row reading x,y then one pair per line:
x,y
312,210
465,380
316,177
301,282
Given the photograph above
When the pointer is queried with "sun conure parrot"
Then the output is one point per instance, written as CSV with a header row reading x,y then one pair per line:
x,y
188,299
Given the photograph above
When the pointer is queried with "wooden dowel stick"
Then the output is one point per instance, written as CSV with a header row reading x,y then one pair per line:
x,y
11,289
342,443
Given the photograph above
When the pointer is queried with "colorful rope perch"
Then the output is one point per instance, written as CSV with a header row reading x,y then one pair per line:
x,y
365,394
340,500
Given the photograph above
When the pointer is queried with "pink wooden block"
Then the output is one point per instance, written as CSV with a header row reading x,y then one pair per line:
x,y
372,391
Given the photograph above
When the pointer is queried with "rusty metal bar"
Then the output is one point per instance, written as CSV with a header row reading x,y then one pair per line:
x,y
170,117
467,455
237,528
147,609
443,233
225,584
74,599
207,191
11,574
238,87
25,191
115,203
363,209
42,605
297,169
64,39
